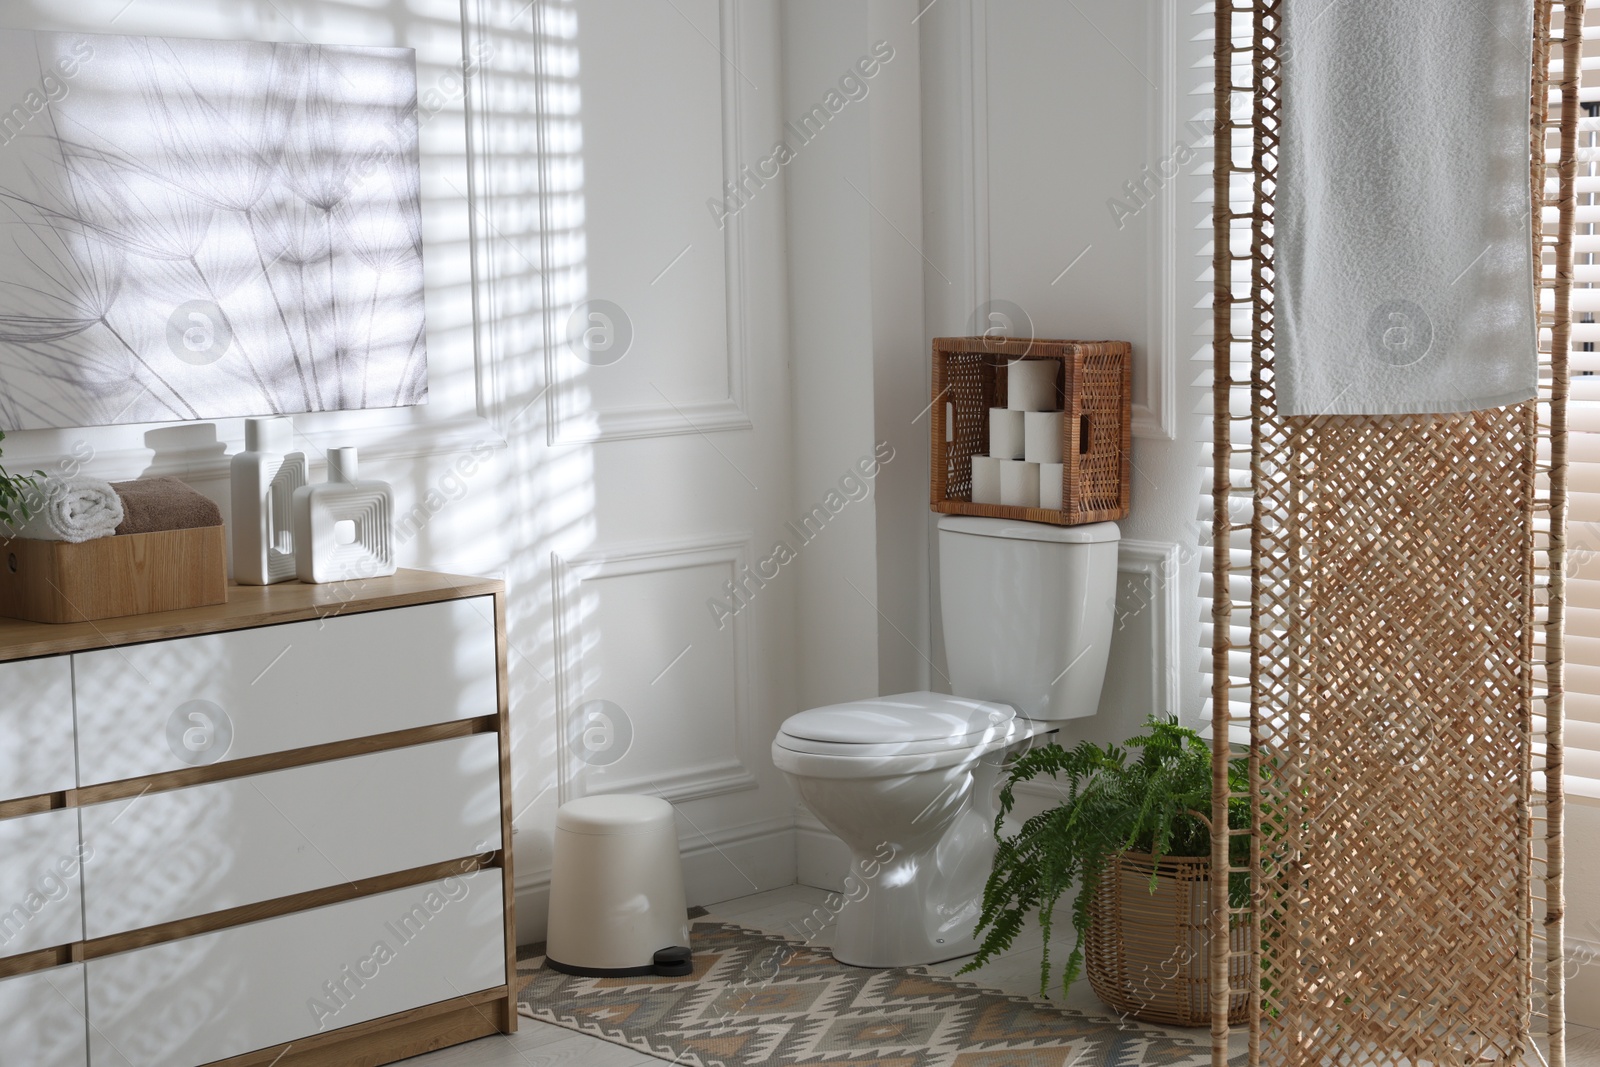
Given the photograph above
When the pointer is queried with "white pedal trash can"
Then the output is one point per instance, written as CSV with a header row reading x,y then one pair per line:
x,y
617,904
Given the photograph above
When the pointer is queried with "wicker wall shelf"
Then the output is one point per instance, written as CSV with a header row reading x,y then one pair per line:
x,y
1093,389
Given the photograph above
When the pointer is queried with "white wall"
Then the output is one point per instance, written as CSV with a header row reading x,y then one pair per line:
x,y
1583,911
770,360
859,369
977,167
1036,114
684,444
901,370
616,500
830,330
1033,115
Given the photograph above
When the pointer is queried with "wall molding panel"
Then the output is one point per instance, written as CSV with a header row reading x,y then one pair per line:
x,y
568,423
1155,372
1155,567
730,772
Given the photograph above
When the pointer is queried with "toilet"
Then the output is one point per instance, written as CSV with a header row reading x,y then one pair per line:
x,y
908,782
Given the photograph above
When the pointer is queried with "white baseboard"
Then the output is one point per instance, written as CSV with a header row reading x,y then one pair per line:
x,y
721,865
739,861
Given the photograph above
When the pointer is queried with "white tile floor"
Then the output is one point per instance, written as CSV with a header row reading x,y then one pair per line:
x,y
782,911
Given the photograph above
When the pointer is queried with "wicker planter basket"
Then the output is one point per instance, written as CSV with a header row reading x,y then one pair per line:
x,y
1146,954
1093,389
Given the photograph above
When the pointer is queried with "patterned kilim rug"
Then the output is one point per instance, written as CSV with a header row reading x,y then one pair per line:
x,y
759,999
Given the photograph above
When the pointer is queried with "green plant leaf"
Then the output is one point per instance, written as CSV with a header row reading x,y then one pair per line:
x,y
14,489
1141,798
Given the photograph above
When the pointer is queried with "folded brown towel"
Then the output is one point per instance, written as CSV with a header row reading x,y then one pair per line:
x,y
152,504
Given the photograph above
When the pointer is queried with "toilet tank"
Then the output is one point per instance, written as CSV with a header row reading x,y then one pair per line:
x,y
1027,611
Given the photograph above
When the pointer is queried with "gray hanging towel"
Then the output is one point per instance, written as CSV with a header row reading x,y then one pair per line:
x,y
1405,277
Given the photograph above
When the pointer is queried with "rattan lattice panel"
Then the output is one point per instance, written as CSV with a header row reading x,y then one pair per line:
x,y
1103,483
1394,607
1392,728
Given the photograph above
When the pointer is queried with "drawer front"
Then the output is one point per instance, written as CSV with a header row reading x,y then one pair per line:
x,y
41,882
169,705
217,995
42,1018
251,839
36,742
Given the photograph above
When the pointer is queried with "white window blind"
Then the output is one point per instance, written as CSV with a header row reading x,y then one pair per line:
x,y
1196,239
1583,440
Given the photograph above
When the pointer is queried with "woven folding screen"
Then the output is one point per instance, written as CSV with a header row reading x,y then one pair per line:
x,y
1400,582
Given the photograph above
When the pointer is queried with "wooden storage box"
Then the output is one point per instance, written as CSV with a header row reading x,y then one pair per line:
x,y
54,581
1093,389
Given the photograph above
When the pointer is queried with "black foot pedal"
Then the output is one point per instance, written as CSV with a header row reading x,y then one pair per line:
x,y
674,962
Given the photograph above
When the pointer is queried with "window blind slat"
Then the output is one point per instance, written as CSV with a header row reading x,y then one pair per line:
x,y
1583,300
1583,749
1586,213
1582,621
1583,708
1582,273
1582,419
1582,508
1583,449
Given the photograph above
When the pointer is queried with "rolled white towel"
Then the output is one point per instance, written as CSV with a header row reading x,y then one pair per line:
x,y
72,509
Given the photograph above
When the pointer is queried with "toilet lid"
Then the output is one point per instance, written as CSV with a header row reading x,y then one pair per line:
x,y
904,717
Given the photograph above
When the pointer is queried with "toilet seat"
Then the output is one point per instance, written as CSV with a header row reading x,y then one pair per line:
x,y
848,750
902,718
902,734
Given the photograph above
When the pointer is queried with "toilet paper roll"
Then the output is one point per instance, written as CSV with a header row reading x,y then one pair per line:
x,y
1007,433
1031,385
1050,475
1019,483
985,480
1041,436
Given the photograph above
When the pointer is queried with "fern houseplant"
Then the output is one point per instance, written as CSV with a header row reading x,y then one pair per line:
x,y
16,492
1132,830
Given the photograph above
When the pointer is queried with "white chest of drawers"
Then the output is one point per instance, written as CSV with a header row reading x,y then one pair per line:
x,y
275,831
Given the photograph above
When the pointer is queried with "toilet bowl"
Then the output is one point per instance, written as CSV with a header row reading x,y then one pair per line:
x,y
908,781
896,778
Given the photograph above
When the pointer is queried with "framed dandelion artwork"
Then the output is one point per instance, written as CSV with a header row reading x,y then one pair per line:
x,y
203,229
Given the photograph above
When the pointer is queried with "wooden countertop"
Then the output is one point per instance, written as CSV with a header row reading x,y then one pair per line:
x,y
247,606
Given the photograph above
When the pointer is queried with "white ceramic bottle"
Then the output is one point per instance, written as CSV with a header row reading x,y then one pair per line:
x,y
265,476
344,528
